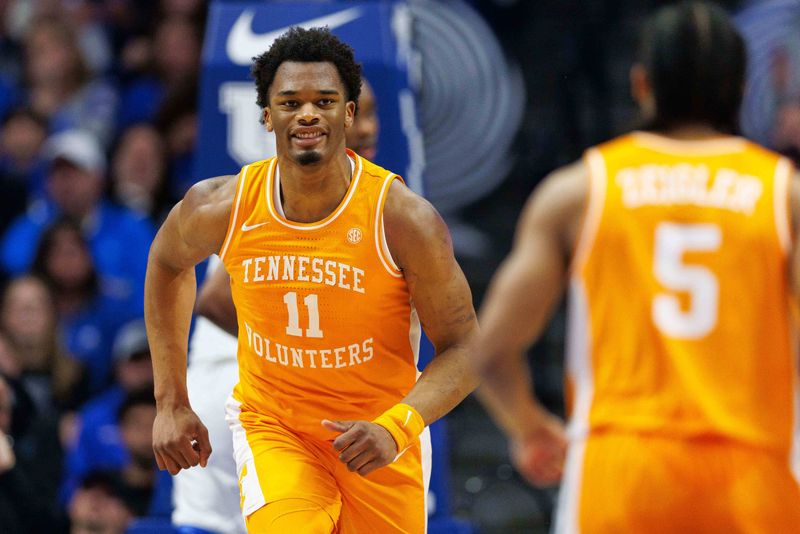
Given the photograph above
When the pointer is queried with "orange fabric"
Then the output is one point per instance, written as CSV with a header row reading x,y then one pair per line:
x,y
303,470
326,328
650,485
290,515
683,285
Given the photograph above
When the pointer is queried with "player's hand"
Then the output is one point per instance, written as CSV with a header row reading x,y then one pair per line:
x,y
180,440
539,455
7,458
362,446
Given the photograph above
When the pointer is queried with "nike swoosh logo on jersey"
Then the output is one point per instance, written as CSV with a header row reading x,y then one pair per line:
x,y
407,418
243,44
247,228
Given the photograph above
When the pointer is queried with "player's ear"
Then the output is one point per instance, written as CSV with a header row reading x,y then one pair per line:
x,y
267,116
640,84
350,114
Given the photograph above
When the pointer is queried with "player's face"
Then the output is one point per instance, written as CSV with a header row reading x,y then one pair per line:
x,y
308,111
363,136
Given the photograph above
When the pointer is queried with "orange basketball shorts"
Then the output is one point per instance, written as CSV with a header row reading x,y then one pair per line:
x,y
615,482
275,464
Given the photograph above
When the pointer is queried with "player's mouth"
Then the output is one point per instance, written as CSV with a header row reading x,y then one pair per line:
x,y
307,137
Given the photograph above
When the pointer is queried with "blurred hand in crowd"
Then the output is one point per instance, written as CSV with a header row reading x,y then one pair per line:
x,y
7,458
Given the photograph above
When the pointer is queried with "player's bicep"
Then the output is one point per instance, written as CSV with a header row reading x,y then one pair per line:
x,y
524,292
171,249
420,242
530,282
196,226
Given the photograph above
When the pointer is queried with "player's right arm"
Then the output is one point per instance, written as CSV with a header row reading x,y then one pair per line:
x,y
517,307
194,229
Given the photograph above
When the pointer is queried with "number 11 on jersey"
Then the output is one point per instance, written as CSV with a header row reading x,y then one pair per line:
x,y
312,305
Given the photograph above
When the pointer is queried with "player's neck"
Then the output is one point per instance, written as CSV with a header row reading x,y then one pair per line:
x,y
692,132
309,193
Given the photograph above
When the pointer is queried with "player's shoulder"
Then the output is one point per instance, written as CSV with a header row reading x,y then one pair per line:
x,y
211,191
761,152
411,223
373,171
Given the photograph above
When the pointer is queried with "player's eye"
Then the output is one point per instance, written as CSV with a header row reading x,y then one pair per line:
x,y
325,102
290,103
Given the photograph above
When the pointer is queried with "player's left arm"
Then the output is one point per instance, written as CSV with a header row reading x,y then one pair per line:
x,y
420,245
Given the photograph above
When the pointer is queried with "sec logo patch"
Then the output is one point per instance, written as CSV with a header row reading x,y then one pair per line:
x,y
355,235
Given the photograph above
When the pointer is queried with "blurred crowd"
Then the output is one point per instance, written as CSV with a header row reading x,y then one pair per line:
x,y
97,132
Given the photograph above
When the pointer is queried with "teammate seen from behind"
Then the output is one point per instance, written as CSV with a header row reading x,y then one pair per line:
x,y
334,265
677,246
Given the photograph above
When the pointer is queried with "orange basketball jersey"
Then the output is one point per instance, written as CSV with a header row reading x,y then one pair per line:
x,y
680,312
326,326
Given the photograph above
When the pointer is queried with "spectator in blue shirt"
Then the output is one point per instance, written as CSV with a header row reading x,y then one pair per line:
x,y
119,239
59,82
89,313
99,443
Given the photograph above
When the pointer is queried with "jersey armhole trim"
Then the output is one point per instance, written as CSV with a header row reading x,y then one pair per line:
x,y
234,213
596,170
782,198
381,246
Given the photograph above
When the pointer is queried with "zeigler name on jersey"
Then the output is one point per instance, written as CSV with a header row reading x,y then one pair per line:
x,y
684,183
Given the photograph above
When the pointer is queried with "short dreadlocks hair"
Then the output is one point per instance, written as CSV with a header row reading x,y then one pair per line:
x,y
307,46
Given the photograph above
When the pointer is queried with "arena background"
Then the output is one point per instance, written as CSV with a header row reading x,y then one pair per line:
x,y
550,79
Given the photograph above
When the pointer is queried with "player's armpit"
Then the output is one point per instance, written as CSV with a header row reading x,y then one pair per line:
x,y
420,244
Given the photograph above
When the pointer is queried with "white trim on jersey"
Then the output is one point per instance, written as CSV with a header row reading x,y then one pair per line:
x,y
781,196
426,453
794,450
271,206
380,233
682,147
579,367
252,495
414,335
594,211
236,202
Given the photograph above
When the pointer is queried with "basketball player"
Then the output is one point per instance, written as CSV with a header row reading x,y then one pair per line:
x,y
677,245
333,264
206,500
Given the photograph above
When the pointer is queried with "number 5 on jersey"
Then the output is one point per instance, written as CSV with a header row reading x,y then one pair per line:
x,y
312,305
672,241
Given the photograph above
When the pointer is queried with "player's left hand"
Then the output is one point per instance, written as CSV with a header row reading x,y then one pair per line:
x,y
362,446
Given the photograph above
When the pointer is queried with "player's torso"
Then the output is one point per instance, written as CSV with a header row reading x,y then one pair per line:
x,y
681,317
326,328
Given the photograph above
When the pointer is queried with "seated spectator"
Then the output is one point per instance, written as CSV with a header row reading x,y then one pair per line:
x,y
177,120
59,82
139,172
28,320
99,444
98,506
175,56
119,239
89,312
21,169
136,416
27,500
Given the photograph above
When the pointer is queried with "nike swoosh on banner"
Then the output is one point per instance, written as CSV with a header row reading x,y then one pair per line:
x,y
246,228
243,44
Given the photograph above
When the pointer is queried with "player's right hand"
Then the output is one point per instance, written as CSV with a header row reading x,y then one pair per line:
x,y
539,455
180,440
